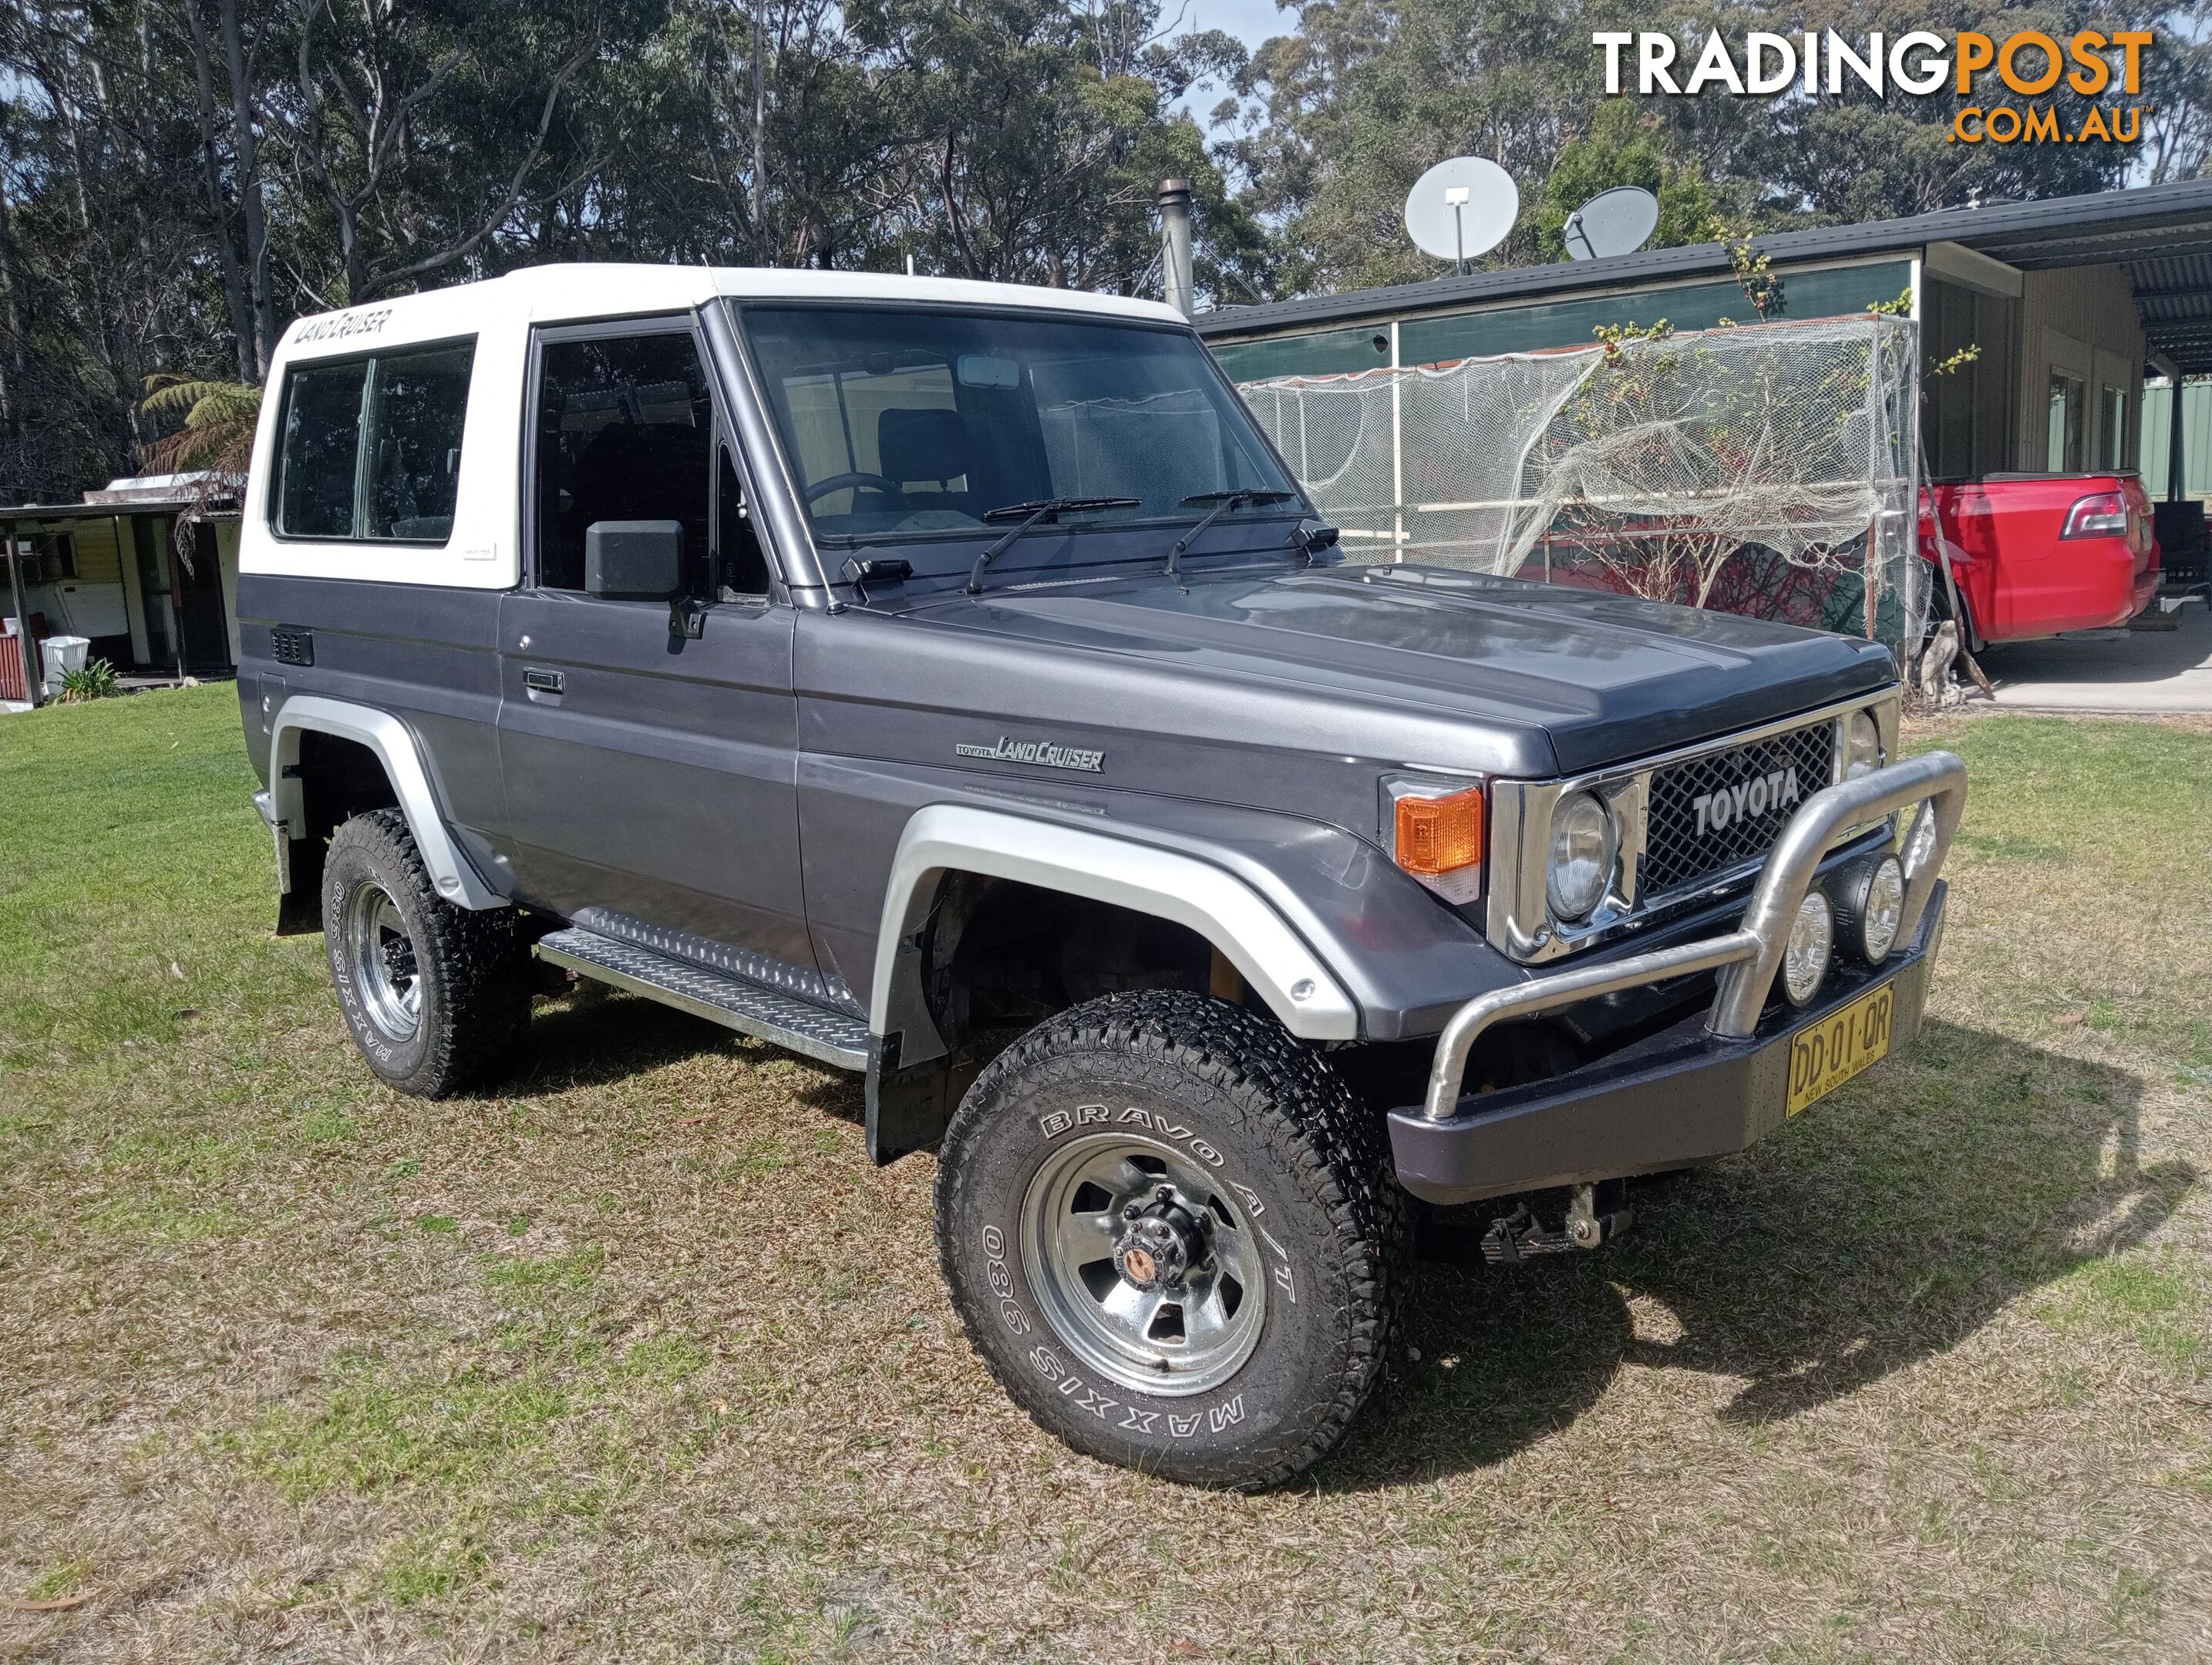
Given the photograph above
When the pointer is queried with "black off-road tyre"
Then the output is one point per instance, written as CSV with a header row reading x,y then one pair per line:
x,y
1286,1179
466,973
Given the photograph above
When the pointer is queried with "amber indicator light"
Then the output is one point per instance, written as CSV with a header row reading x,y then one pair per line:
x,y
1440,835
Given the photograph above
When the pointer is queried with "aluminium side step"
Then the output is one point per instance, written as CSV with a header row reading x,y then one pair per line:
x,y
832,1037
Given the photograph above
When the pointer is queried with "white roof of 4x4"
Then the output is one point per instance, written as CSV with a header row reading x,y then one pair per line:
x,y
555,293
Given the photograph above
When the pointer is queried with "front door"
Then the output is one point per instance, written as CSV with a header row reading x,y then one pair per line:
x,y
648,772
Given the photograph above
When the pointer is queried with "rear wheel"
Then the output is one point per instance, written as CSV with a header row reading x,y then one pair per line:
x,y
1171,1235
436,996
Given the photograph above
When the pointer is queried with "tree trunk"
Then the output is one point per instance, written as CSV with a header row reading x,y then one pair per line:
x,y
760,133
11,375
234,279
246,152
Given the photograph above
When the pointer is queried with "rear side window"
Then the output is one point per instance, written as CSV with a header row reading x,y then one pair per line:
x,y
371,448
322,446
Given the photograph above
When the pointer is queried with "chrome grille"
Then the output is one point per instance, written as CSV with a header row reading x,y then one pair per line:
x,y
1679,850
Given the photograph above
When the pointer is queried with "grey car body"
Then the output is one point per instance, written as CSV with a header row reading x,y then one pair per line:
x,y
744,801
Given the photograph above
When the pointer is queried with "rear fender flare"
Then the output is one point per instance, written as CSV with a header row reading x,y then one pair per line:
x,y
943,839
395,746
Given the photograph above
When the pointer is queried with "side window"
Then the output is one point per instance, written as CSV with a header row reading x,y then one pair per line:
x,y
624,433
371,448
744,569
322,450
415,408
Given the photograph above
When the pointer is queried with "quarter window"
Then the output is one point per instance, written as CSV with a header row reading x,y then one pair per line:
x,y
372,447
322,450
417,401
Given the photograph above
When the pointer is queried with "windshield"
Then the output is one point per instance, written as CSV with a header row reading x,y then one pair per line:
x,y
910,425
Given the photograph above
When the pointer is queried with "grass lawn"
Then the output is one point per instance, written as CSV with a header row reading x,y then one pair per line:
x,y
639,1359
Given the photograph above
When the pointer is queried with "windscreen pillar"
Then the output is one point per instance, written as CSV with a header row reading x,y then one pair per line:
x,y
1175,245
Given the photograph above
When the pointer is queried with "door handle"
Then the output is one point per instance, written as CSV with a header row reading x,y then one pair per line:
x,y
544,682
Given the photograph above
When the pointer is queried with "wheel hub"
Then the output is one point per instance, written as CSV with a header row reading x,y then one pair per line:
x,y
381,957
1159,1244
1145,1265
398,956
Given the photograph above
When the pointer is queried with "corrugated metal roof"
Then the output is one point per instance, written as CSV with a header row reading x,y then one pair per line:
x,y
2173,294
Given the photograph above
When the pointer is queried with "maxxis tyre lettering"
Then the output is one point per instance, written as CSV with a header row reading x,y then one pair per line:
x,y
1297,1157
473,966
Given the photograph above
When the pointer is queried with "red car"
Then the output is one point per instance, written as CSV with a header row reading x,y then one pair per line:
x,y
2035,555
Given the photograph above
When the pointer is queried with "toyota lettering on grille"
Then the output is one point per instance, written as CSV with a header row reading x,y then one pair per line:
x,y
1759,794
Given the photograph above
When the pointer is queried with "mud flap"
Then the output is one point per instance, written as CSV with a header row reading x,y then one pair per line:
x,y
908,1108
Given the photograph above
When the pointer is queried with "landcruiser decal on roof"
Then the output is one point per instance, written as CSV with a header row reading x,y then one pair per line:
x,y
1044,753
343,325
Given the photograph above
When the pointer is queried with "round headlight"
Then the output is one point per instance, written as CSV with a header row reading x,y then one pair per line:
x,y
1812,939
1582,856
1870,905
1861,746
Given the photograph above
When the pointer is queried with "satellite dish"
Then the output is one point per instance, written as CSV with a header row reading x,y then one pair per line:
x,y
1461,209
1616,222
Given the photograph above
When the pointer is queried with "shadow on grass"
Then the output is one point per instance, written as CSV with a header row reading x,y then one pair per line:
x,y
605,1038
1887,1225
599,1039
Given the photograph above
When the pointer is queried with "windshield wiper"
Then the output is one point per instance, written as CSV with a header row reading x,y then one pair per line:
x,y
1029,515
1222,501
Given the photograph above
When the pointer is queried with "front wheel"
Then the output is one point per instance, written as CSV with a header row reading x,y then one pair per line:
x,y
1171,1233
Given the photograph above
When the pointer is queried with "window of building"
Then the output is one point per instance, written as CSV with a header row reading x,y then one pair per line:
x,y
47,557
625,432
2112,428
370,449
2069,401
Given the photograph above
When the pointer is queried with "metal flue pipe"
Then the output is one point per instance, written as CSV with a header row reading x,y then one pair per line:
x,y
1175,245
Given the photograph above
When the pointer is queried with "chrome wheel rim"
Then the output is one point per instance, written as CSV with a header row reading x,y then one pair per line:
x,y
1108,1211
380,955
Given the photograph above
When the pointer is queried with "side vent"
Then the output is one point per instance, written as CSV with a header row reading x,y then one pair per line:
x,y
291,644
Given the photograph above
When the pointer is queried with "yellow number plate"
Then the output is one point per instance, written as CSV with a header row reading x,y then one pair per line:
x,y
1823,1057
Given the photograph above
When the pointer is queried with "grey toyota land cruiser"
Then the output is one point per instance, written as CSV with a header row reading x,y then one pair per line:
x,y
949,683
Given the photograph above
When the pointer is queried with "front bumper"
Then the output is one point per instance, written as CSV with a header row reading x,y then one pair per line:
x,y
1712,1084
1682,1096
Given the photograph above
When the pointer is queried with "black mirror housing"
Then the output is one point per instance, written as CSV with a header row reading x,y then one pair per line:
x,y
634,560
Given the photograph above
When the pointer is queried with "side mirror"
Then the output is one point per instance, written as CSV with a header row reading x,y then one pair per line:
x,y
634,560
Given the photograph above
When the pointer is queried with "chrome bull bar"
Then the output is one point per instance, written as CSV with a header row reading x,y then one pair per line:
x,y
1748,957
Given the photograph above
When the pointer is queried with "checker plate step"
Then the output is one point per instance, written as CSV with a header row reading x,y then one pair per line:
x,y
830,1037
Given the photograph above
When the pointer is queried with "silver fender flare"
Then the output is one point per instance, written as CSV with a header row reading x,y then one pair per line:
x,y
393,742
1169,884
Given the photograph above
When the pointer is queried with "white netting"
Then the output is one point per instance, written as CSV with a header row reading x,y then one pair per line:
x,y
1766,470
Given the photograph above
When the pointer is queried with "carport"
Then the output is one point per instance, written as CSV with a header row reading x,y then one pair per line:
x,y
109,569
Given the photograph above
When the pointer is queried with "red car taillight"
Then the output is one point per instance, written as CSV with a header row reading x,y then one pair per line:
x,y
2104,515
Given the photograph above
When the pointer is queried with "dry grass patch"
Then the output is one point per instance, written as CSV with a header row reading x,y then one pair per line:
x,y
638,1358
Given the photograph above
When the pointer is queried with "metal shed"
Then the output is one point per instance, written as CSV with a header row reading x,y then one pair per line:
x,y
2072,301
